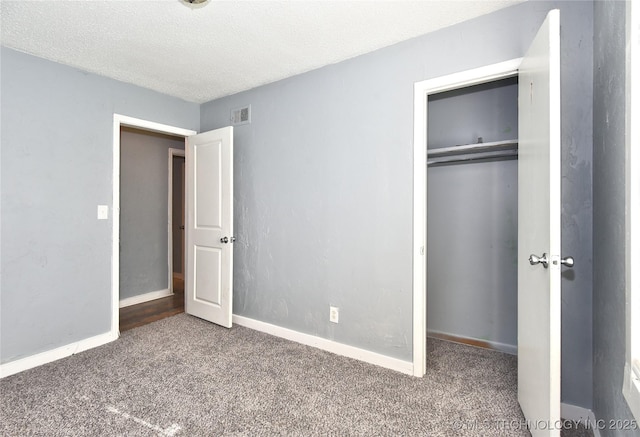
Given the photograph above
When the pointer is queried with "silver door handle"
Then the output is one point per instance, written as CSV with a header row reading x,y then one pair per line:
x,y
533,260
567,261
224,240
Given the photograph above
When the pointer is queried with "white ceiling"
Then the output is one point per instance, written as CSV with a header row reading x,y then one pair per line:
x,y
200,53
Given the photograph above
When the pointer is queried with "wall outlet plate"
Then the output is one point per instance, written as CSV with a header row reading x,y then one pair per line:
x,y
103,212
334,313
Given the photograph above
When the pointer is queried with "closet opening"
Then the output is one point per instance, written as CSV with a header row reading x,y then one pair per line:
x,y
472,215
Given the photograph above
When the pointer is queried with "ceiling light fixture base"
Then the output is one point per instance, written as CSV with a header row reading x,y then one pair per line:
x,y
194,2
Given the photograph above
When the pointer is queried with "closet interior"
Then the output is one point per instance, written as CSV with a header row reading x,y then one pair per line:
x,y
472,214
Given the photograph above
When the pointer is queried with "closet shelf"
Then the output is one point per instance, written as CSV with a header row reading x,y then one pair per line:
x,y
472,152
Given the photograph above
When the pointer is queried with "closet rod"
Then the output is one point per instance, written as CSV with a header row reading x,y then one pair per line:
x,y
473,148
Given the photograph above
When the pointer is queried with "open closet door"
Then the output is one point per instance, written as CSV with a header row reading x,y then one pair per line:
x,y
539,208
209,205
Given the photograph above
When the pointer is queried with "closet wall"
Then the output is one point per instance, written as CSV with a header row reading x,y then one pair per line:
x,y
472,218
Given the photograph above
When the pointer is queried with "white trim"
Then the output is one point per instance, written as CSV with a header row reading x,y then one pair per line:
x,y
462,79
344,350
420,230
631,384
580,415
421,93
36,360
493,345
146,297
152,126
118,122
172,152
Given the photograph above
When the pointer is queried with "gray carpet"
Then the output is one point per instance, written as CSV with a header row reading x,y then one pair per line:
x,y
185,377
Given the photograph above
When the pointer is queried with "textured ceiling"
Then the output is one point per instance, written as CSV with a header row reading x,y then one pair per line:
x,y
203,52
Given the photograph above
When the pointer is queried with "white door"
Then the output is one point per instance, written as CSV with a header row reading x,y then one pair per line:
x,y
208,281
539,208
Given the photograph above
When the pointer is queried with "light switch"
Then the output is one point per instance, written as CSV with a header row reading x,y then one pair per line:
x,y
103,212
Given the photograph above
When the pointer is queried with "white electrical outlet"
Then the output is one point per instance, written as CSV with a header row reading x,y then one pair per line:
x,y
103,212
334,312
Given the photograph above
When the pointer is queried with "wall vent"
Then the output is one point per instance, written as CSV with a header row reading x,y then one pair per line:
x,y
241,115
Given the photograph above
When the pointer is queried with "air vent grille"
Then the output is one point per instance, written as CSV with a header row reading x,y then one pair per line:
x,y
241,115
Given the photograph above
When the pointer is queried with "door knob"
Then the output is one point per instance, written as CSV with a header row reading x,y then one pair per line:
x,y
533,260
224,240
567,261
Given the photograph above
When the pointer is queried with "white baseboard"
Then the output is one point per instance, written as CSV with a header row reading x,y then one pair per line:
x,y
177,275
36,360
141,298
327,345
580,415
502,347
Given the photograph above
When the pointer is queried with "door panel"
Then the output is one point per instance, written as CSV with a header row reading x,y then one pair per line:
x,y
208,183
539,209
208,266
209,204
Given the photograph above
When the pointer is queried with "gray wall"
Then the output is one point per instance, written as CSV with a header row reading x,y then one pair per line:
x,y
323,187
461,116
144,172
609,213
178,194
57,146
472,218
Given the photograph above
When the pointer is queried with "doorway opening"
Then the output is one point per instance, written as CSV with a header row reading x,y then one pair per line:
x,y
149,189
472,215
142,267
422,91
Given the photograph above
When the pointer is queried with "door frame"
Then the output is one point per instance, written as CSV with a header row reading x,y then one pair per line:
x,y
172,153
118,122
422,91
